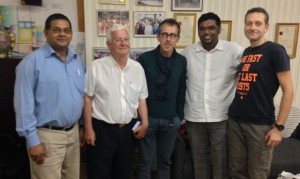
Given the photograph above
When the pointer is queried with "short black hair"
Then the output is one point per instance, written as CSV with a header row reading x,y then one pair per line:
x,y
210,15
56,16
171,22
258,10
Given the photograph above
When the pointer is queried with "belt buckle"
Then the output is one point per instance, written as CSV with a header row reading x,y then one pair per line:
x,y
121,125
67,128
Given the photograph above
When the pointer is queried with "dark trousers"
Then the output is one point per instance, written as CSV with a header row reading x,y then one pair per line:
x,y
209,149
111,157
182,166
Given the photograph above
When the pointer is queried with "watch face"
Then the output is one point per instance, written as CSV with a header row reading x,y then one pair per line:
x,y
279,127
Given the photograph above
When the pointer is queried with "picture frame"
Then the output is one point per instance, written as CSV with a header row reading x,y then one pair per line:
x,y
112,1
99,52
226,30
146,23
136,52
187,5
158,3
105,19
286,34
186,21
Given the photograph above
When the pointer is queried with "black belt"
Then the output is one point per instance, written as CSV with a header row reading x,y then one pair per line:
x,y
113,125
58,128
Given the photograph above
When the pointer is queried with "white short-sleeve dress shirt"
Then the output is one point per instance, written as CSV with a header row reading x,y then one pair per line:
x,y
116,92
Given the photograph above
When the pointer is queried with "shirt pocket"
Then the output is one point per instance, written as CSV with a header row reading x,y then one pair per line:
x,y
133,93
78,79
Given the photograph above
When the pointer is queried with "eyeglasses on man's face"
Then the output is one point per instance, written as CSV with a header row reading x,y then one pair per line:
x,y
119,41
58,30
209,28
166,35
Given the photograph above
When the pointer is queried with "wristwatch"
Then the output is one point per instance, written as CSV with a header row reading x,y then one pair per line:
x,y
279,126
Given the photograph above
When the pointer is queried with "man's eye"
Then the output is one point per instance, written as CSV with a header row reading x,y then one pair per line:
x,y
258,23
212,28
67,31
56,30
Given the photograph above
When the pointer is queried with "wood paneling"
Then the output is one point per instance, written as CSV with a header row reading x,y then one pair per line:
x,y
80,14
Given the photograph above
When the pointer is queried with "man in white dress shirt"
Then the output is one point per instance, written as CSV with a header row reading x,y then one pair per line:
x,y
115,91
211,81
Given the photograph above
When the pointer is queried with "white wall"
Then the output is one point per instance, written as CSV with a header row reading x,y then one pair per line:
x,y
234,10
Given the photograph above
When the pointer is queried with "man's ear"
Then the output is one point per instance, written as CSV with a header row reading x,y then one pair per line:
x,y
45,33
108,44
219,29
267,27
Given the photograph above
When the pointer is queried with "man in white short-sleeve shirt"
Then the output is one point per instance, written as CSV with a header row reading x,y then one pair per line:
x,y
115,92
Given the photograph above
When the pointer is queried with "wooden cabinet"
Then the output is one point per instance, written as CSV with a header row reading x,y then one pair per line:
x,y
13,155
7,80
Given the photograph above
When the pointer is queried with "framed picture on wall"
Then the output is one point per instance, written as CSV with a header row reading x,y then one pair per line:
x,y
159,3
112,1
187,22
107,18
187,5
225,30
136,52
146,23
100,52
286,34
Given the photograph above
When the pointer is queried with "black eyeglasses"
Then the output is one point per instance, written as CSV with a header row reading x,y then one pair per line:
x,y
166,35
209,28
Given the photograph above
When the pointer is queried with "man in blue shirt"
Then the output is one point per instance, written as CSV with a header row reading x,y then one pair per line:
x,y
48,101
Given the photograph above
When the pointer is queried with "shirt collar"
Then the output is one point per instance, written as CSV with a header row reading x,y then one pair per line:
x,y
219,46
49,51
117,66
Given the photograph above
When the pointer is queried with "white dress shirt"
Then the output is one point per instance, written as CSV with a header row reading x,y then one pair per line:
x,y
211,80
115,91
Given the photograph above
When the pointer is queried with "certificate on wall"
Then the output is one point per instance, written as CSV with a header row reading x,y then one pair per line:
x,y
186,21
286,34
225,30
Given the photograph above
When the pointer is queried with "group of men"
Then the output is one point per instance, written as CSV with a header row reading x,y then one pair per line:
x,y
224,93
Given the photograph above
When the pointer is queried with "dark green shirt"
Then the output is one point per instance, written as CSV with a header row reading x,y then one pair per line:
x,y
174,105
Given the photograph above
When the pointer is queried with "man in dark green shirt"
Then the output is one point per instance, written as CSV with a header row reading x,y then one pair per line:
x,y
165,71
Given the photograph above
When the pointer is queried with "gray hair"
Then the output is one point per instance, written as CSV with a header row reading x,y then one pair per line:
x,y
113,28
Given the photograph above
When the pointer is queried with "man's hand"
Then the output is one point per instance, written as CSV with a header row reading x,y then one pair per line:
x,y
38,153
140,132
273,137
89,135
81,137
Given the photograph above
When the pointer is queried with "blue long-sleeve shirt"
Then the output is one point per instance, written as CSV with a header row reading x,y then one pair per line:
x,y
47,91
